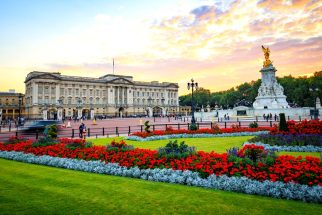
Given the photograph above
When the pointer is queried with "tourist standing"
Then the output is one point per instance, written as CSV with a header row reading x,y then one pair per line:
x,y
84,131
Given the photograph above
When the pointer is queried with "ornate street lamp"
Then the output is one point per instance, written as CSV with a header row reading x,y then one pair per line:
x,y
315,91
193,85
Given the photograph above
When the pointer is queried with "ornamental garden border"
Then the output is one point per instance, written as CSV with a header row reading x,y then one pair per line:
x,y
236,184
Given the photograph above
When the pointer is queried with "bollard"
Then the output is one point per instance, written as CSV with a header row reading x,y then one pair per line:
x,y
141,128
178,126
256,118
225,124
103,132
36,134
210,125
198,125
270,123
300,118
288,118
117,131
89,132
73,133
153,127
188,126
166,126
239,123
129,130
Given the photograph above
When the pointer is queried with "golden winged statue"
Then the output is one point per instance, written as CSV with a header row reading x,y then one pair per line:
x,y
267,61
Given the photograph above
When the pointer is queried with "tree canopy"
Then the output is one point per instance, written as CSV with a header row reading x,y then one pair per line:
x,y
296,90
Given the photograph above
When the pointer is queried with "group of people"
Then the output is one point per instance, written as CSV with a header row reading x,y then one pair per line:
x,y
270,117
226,117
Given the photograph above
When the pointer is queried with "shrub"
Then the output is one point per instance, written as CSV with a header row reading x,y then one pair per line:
x,y
216,128
15,139
193,127
76,143
283,124
253,125
52,131
253,152
119,146
147,127
175,150
235,127
45,141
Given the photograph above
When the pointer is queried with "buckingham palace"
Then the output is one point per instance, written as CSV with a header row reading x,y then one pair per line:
x,y
56,96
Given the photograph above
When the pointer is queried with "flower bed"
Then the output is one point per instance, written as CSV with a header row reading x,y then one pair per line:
x,y
184,135
307,148
283,168
170,131
289,139
236,184
303,127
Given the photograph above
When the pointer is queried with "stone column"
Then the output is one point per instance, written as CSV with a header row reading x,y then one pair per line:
x,y
79,113
60,113
0,115
121,95
45,114
117,95
92,113
125,97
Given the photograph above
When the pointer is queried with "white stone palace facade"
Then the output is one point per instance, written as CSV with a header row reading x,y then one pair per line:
x,y
54,96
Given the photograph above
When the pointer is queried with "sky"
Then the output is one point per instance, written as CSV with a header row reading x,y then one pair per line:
x,y
218,43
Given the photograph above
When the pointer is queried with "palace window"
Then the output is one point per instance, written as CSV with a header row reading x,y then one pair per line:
x,y
53,90
40,89
46,90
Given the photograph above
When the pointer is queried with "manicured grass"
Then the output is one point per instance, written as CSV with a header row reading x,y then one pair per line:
x,y
217,144
303,154
35,189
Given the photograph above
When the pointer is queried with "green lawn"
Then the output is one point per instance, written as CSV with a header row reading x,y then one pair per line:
x,y
217,144
34,189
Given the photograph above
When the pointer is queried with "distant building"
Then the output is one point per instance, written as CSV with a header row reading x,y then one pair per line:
x,y
9,105
52,95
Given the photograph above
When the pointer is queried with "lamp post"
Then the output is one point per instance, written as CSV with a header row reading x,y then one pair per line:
x,y
315,91
193,85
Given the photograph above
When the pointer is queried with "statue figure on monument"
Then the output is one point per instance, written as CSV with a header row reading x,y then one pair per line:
x,y
267,61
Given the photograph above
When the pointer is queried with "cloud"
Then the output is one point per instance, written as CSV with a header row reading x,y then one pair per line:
x,y
216,42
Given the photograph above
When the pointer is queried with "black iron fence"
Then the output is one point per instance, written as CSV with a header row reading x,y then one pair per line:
x,y
126,130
